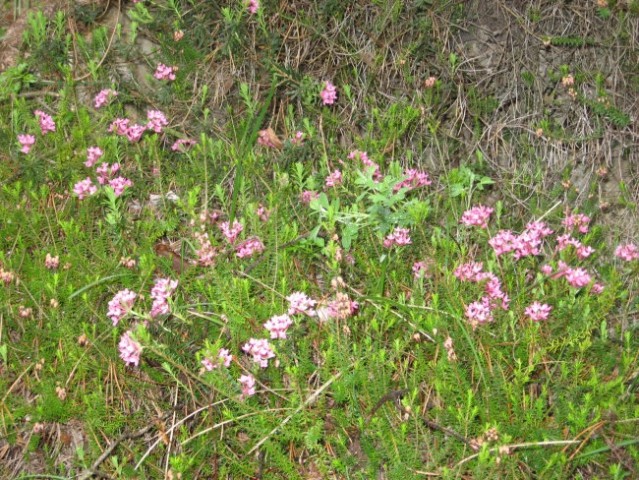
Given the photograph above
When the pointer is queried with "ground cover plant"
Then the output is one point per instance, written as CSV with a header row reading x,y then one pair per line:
x,y
255,239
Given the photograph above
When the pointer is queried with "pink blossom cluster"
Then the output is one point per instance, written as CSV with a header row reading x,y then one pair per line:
x,y
627,252
480,312
583,251
278,325
247,383
130,349
119,185
477,216
182,144
399,237
253,6
367,162
103,97
6,276
26,141
576,277
249,247
93,155
267,138
260,349
307,196
414,179
328,94
156,121
161,291
85,188
300,303
106,171
262,213
224,358
578,221
206,253
51,262
162,72
46,122
120,305
334,179
298,138
538,311
419,269
342,307
231,232
528,243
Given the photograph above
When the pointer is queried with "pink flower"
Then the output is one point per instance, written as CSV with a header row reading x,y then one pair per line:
x,y
223,358
399,237
538,311
93,155
546,270
577,277
334,179
231,233
206,253
120,305
106,171
130,350
478,313
300,303
367,162
477,216
162,72
120,184
51,262
627,252
84,188
577,220
262,213
342,307
103,97
157,121
470,272
260,349
134,132
119,126
597,288
27,142
329,94
430,82
46,122
248,385
414,179
503,242
298,139
308,196
249,247
278,325
161,291
419,269
253,6
493,289
182,144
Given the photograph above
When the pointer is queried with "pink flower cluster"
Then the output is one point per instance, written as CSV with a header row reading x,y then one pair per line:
x,y
161,291
182,144
538,311
477,216
334,179
528,243
299,302
206,253
307,196
106,171
583,251
46,122
93,155
247,383
51,262
224,358
253,6
162,72
278,325
120,305
414,179
576,277
231,232
130,349
480,312
627,252
26,142
262,213
85,188
103,97
328,94
368,163
399,237
156,121
578,221
249,247
260,349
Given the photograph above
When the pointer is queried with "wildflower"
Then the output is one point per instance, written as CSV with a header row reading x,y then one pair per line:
x,y
329,94
478,313
298,139
568,80
206,253
182,144
84,188
120,184
627,252
51,262
493,289
450,351
538,229
253,6
278,325
6,276
106,171
157,121
546,270
334,179
268,138
577,277
27,142
261,351
414,179
119,126
503,242
538,311
93,155
300,303
419,269
248,385
120,305
249,247
134,132
477,216
430,82
231,233
597,288
162,72
470,272
577,220
367,162
342,307
46,122
130,350
262,213
103,97
400,237
307,196
128,262
223,358
25,312
161,291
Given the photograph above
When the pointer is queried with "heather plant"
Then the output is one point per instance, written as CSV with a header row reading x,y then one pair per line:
x,y
308,281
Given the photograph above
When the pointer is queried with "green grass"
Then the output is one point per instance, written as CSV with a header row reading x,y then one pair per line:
x,y
403,386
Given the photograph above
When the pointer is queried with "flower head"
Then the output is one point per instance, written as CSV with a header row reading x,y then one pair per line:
x,y
162,72
130,350
260,349
46,122
328,94
477,216
161,291
27,142
627,252
249,247
278,325
538,311
299,302
248,385
120,305
399,237
103,97
93,155
84,188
